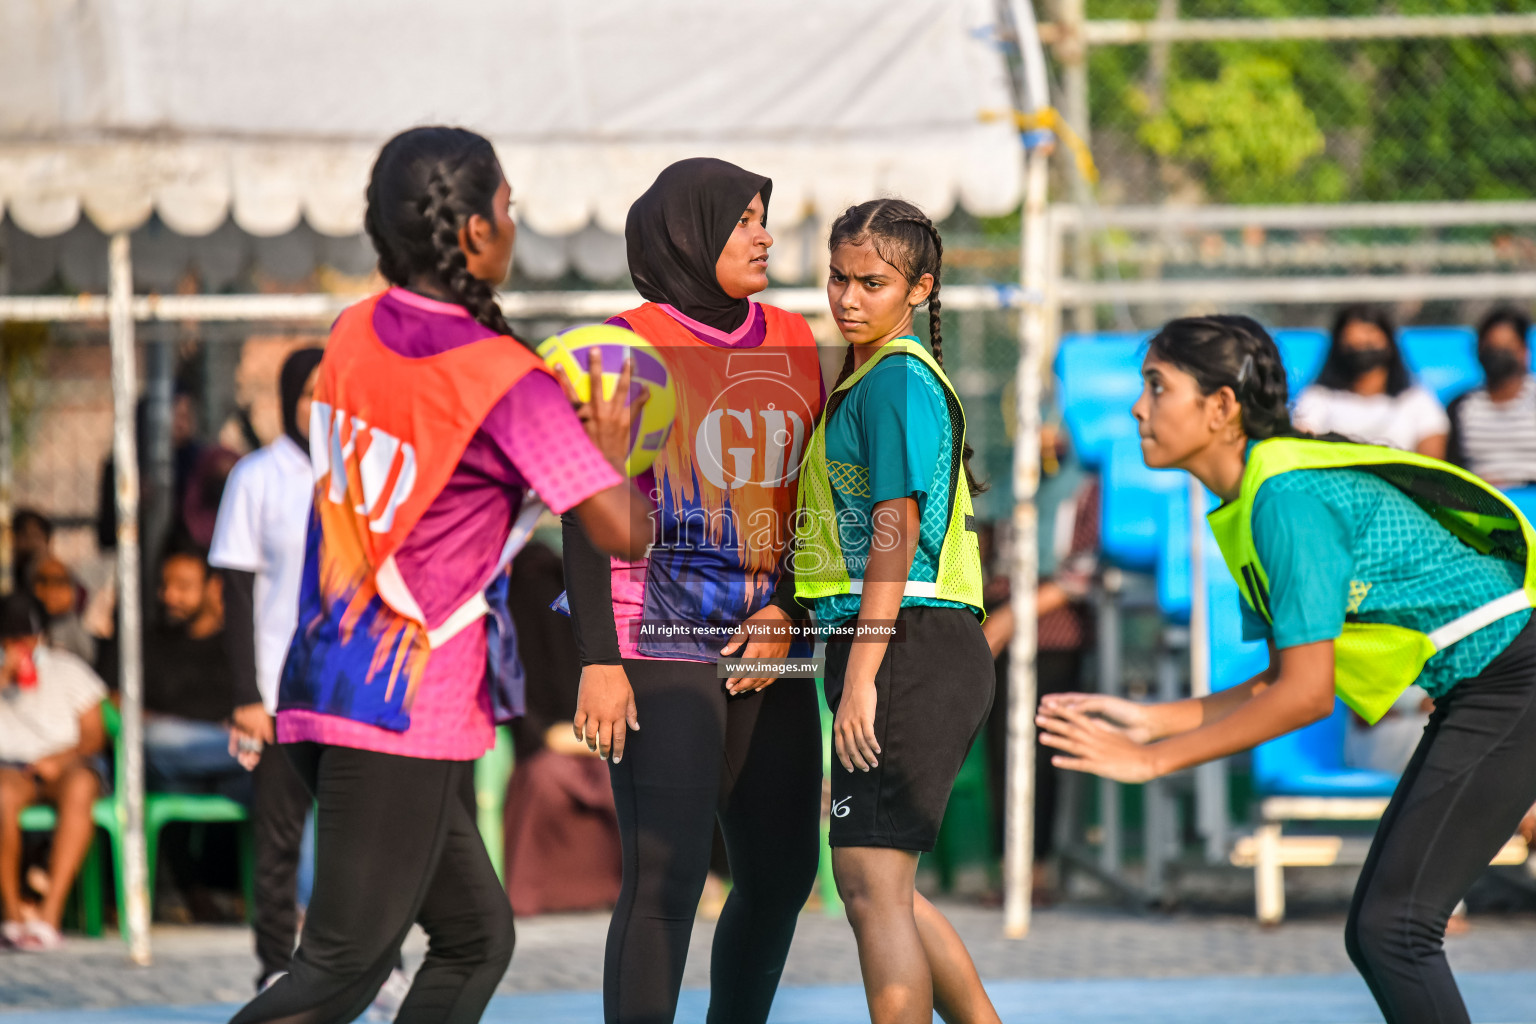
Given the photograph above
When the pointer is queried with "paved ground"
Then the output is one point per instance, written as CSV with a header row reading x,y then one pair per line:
x,y
195,967
1290,999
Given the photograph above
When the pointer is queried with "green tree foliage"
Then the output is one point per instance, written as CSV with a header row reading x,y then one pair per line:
x,y
1291,121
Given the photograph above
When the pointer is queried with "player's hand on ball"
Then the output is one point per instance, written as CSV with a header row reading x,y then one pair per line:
x,y
853,730
608,419
1133,721
1094,745
605,707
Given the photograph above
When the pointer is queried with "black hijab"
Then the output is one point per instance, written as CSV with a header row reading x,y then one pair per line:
x,y
296,370
677,229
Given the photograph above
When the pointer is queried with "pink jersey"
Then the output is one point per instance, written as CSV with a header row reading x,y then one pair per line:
x,y
531,440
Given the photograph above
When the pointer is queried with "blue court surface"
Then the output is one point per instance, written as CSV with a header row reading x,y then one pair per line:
x,y
1503,998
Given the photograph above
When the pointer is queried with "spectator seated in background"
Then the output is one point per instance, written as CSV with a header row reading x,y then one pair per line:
x,y
1493,427
51,737
31,538
562,836
188,684
1365,392
54,588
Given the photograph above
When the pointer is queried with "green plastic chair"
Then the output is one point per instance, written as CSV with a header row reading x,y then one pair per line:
x,y
160,809
492,772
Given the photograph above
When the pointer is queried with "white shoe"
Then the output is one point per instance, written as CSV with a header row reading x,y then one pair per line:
x,y
387,1003
12,932
39,937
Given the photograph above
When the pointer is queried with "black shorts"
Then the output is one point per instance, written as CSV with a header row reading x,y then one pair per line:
x,y
933,692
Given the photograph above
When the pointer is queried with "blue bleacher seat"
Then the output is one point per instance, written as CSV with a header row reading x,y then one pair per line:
x,y
1302,350
1099,380
1444,359
1524,499
1132,504
1173,561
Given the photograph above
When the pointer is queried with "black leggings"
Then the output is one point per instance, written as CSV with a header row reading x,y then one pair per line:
x,y
395,843
277,816
1460,799
755,761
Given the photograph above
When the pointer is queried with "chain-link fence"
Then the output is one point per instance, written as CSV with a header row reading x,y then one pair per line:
x,y
1255,121
223,389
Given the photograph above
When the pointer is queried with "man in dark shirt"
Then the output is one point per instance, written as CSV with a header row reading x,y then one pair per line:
x,y
188,685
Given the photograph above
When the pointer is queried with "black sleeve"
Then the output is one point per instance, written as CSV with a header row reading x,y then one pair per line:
x,y
589,589
106,661
240,635
106,507
1455,453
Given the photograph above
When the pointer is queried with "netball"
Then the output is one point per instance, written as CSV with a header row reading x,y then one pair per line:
x,y
570,351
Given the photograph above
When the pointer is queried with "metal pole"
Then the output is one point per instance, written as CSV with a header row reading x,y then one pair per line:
x,y
1390,26
1072,52
1210,778
7,538
1034,262
125,456
157,482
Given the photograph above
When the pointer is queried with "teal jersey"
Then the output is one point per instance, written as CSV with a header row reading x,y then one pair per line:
x,y
1343,543
889,438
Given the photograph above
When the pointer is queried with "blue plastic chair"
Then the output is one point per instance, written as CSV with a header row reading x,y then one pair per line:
x,y
1132,509
1444,359
1302,350
1524,498
1174,583
1099,380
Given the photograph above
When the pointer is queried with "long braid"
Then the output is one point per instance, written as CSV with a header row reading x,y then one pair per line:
x,y
847,369
425,187
452,268
935,331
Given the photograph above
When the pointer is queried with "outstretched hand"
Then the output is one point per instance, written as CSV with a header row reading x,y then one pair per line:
x,y
1093,744
1133,720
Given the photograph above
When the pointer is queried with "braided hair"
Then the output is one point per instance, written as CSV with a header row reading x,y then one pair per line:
x,y
1237,353
425,185
903,236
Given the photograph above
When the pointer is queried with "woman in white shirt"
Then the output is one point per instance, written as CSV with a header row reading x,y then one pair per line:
x,y
1365,392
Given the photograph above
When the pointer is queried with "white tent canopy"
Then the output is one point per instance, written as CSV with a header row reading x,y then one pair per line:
x,y
270,111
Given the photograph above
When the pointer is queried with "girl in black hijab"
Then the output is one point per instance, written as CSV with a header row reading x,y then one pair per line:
x,y
748,387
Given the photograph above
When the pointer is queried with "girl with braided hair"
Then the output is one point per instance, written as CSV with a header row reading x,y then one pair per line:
x,y
887,553
431,428
1367,570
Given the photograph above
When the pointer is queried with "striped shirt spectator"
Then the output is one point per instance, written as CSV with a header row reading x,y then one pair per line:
x,y
1493,427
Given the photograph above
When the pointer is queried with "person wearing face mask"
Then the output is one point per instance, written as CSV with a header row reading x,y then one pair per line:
x,y
1493,427
1364,391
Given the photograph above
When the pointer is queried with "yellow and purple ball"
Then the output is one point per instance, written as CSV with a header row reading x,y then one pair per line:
x,y
570,351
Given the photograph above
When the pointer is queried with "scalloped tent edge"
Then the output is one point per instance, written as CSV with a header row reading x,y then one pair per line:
x,y
117,111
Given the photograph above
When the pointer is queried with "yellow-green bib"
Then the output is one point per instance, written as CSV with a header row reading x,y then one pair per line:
x,y
819,567
1374,662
